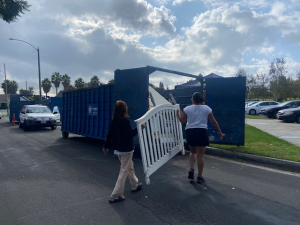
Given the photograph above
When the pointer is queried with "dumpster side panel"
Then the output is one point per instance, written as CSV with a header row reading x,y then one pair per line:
x,y
226,97
88,112
131,86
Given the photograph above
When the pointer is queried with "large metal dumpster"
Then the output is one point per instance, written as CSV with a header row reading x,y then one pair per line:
x,y
88,112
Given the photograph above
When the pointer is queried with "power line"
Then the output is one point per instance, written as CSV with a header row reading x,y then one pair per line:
x,y
21,59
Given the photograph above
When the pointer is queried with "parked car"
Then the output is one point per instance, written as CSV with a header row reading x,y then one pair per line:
x,y
255,108
271,112
36,116
247,103
289,115
0,115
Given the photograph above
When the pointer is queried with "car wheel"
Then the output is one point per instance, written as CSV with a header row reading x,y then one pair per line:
x,y
25,127
275,115
252,112
53,127
65,134
20,124
298,119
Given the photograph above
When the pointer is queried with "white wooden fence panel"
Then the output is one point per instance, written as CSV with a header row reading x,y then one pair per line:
x,y
161,139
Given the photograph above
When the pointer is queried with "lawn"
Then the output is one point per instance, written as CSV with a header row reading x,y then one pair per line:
x,y
260,143
255,117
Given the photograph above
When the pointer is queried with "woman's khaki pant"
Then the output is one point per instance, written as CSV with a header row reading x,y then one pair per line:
x,y
125,170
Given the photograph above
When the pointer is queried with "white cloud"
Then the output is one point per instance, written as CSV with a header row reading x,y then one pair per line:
x,y
178,2
267,50
95,39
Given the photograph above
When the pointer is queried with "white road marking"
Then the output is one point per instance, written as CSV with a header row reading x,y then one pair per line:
x,y
256,166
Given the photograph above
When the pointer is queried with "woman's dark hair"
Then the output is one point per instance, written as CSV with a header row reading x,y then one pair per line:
x,y
120,110
197,97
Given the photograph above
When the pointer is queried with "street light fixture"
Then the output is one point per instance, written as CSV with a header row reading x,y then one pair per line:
x,y
38,51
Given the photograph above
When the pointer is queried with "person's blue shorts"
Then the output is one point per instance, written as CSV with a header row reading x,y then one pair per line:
x,y
197,137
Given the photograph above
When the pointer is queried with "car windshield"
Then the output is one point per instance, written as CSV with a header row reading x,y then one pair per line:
x,y
38,110
251,103
282,104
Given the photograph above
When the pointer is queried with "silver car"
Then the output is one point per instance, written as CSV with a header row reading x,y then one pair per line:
x,y
36,116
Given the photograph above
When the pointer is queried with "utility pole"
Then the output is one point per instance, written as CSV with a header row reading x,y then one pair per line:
x,y
6,91
26,85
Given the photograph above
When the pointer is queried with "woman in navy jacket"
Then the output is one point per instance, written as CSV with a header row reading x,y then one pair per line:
x,y
121,134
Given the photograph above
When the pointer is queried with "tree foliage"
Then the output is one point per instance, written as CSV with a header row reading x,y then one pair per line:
x,y
94,82
56,78
46,85
79,83
66,81
11,9
12,87
26,92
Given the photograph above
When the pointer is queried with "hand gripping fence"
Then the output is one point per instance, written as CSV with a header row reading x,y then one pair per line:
x,y
161,139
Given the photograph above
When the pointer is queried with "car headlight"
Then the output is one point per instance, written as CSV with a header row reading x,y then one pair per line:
x,y
30,118
53,117
288,113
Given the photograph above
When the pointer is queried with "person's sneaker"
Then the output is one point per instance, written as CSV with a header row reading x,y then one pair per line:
x,y
200,180
191,174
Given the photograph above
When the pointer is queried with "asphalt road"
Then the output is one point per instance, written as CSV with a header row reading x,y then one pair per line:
x,y
45,179
286,131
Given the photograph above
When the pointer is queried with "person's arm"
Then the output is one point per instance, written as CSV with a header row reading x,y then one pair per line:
x,y
108,139
215,124
133,131
182,118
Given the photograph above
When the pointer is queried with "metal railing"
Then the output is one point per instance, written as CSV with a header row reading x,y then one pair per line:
x,y
161,139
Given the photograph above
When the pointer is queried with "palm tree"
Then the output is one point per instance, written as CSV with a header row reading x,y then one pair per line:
x,y
46,84
94,82
13,87
66,81
56,79
79,83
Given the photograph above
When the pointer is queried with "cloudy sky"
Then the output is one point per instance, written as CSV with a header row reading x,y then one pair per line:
x,y
83,38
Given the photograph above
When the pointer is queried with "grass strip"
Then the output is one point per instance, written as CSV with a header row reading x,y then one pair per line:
x,y
261,143
256,117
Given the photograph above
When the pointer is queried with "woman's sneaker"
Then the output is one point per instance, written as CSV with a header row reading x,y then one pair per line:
x,y
200,180
191,174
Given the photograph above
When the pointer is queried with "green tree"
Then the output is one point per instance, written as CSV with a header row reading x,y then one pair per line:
x,y
56,79
94,82
24,92
11,9
112,81
31,90
12,87
66,81
277,72
79,83
46,85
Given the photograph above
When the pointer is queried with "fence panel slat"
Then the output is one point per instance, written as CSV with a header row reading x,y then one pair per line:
x,y
161,139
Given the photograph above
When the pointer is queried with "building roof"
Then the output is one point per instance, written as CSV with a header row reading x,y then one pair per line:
x,y
196,83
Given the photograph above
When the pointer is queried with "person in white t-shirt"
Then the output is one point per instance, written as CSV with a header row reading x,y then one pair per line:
x,y
197,116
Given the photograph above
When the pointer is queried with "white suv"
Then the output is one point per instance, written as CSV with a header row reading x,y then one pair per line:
x,y
36,116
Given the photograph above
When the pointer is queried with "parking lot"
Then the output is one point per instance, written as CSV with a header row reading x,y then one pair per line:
x,y
46,179
286,131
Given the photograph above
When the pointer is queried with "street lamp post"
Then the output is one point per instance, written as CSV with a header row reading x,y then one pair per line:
x,y
6,90
38,51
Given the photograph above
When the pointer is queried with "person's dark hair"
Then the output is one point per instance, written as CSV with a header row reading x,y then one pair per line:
x,y
120,110
197,97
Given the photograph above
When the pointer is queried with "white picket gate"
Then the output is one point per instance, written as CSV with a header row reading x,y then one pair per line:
x,y
161,139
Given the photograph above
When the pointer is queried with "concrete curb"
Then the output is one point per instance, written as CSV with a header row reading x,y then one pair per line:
x,y
258,160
